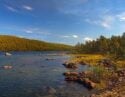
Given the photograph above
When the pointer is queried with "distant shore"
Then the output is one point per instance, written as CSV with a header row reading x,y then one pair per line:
x,y
13,43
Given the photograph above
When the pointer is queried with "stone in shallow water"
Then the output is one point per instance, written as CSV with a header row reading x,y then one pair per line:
x,y
71,74
51,90
81,78
70,65
93,95
7,67
48,96
8,54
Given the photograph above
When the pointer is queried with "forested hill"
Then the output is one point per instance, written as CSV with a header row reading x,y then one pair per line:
x,y
13,43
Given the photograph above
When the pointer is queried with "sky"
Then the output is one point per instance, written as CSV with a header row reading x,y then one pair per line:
x,y
62,21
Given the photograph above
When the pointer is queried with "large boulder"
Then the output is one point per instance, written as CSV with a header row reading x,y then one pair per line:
x,y
71,73
93,95
71,76
88,83
70,65
82,63
121,73
7,67
8,54
80,77
107,63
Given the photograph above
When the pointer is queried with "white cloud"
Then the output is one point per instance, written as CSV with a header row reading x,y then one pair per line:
x,y
92,21
88,39
29,31
70,36
121,16
105,22
71,7
26,7
36,31
11,9
66,36
75,36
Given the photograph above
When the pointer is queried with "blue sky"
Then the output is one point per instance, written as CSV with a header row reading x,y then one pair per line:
x,y
62,21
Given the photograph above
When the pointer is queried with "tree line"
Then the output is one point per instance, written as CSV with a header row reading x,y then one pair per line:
x,y
114,46
13,43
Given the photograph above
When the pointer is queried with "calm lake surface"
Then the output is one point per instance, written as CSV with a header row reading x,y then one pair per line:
x,y
34,76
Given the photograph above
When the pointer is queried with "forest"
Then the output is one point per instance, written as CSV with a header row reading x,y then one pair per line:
x,y
13,43
113,46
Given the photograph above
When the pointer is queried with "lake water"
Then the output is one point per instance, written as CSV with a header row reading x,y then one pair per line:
x,y
34,76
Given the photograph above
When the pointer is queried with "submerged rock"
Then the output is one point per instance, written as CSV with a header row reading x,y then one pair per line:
x,y
48,59
93,95
48,96
51,90
82,63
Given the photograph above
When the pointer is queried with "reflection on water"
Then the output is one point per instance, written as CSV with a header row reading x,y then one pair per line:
x,y
34,76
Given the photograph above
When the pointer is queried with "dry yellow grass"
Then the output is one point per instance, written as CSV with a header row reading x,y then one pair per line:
x,y
90,59
120,63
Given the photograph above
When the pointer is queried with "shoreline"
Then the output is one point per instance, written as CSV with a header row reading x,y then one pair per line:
x,y
104,71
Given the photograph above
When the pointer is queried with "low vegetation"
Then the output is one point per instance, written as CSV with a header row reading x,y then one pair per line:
x,y
90,59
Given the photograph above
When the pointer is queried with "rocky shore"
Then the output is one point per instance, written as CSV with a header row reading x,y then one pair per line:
x,y
80,77
104,75
118,91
